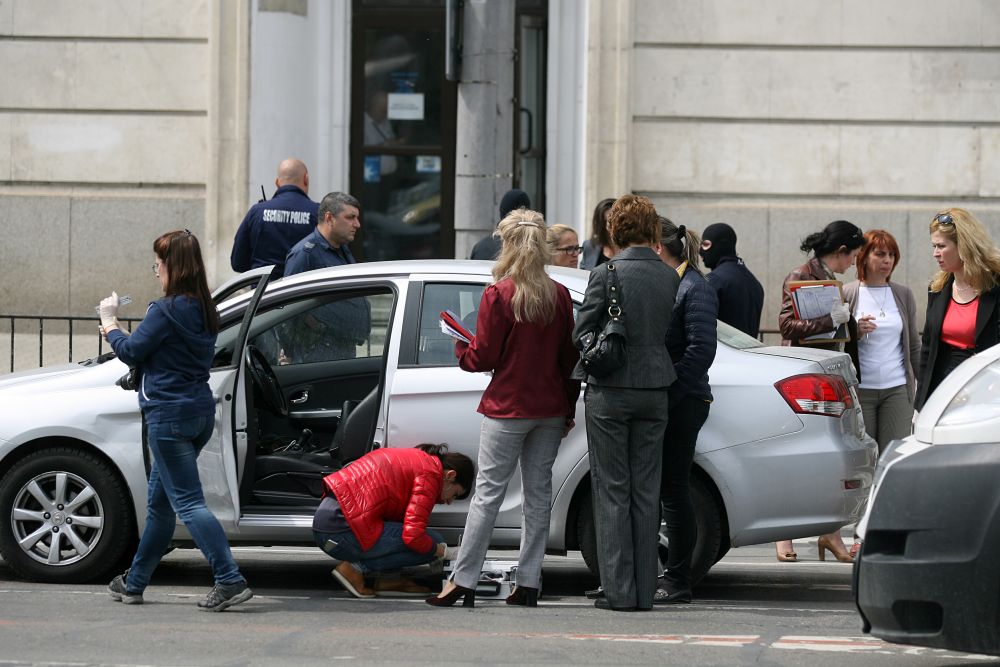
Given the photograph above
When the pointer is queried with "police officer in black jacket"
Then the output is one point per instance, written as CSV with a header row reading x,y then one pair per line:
x,y
741,296
271,228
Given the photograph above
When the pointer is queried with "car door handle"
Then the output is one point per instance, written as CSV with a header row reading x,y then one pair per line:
x,y
300,397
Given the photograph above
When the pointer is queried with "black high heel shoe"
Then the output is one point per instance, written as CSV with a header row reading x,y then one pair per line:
x,y
523,596
448,600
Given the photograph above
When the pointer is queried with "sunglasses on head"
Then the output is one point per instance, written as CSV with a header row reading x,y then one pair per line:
x,y
944,219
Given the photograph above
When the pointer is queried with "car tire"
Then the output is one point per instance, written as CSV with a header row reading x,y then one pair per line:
x,y
70,498
708,547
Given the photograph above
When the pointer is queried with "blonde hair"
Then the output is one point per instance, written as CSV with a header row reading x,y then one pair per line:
x,y
555,231
522,259
980,257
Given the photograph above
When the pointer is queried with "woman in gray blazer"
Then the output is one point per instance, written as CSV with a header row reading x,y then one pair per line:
x,y
627,409
889,348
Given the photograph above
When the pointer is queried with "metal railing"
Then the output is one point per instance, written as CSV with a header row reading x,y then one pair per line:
x,y
58,327
62,330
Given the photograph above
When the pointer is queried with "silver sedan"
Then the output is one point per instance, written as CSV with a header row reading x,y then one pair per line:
x,y
783,454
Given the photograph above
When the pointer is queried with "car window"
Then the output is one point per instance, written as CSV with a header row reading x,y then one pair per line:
x,y
435,348
735,338
328,327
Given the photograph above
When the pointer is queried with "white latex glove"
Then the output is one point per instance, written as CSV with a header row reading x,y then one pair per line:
x,y
109,311
840,314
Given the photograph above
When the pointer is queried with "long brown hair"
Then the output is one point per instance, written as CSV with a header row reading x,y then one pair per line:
x,y
522,259
181,255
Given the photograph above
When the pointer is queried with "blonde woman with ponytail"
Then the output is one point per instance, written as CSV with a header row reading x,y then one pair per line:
x,y
524,337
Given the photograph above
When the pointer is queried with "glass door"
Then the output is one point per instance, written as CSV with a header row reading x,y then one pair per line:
x,y
402,133
529,123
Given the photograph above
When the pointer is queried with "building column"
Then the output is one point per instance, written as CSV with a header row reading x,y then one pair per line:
x,y
484,127
608,101
228,138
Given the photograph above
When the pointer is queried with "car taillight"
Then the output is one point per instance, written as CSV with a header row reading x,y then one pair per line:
x,y
816,394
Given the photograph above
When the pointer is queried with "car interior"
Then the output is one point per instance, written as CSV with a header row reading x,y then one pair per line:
x,y
312,398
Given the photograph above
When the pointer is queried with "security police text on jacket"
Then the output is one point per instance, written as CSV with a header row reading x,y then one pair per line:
x,y
271,228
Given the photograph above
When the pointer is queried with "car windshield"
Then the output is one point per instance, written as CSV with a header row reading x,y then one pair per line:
x,y
733,337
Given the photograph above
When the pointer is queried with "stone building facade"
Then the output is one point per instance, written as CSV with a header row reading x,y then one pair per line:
x,y
119,120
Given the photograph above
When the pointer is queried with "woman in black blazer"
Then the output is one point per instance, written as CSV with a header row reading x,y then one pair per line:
x,y
962,301
627,409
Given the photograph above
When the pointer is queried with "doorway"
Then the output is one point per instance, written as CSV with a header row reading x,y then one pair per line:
x,y
402,131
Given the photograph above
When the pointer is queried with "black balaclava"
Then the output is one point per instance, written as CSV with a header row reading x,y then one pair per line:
x,y
723,239
512,200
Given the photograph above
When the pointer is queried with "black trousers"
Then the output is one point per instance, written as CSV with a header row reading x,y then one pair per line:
x,y
686,417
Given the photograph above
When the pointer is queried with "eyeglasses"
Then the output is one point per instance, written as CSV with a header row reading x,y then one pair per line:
x,y
156,269
944,219
570,249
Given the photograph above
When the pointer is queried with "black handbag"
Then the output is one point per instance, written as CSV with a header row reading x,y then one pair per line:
x,y
603,352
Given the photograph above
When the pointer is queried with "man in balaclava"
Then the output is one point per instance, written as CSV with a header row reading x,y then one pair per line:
x,y
489,246
741,296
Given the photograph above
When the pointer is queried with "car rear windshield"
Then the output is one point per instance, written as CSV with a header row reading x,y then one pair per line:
x,y
733,337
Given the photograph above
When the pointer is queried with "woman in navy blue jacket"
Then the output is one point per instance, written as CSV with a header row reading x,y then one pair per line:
x,y
174,346
691,342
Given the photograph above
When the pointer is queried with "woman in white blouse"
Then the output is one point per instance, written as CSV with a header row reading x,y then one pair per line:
x,y
888,345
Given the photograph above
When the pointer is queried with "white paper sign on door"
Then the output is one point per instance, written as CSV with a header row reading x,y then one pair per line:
x,y
406,106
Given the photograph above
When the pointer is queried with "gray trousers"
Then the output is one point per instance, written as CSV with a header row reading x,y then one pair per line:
x,y
503,443
887,413
625,430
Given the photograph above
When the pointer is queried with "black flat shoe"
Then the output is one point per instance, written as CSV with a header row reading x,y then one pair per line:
x,y
448,600
595,594
523,596
663,596
602,603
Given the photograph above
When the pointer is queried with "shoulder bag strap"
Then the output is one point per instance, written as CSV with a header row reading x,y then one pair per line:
x,y
613,294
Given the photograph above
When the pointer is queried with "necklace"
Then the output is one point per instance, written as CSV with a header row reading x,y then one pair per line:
x,y
885,296
965,290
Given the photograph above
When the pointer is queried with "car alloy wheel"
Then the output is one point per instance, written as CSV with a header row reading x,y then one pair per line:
x,y
65,516
57,518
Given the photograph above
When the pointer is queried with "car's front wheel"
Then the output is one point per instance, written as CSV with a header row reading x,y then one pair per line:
x,y
65,516
707,548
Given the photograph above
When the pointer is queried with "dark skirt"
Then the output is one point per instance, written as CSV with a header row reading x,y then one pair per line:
x,y
948,359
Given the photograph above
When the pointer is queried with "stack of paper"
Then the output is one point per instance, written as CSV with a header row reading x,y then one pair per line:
x,y
452,326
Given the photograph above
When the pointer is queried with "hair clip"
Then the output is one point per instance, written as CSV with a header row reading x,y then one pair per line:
x,y
527,223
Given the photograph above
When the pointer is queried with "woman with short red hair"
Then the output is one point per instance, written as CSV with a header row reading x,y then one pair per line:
x,y
889,348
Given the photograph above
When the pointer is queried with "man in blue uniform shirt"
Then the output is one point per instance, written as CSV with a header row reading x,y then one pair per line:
x,y
271,228
333,330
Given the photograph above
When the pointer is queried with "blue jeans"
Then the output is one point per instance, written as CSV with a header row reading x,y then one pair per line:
x,y
175,490
388,554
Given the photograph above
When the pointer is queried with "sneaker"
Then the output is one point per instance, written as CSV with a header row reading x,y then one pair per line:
x,y
595,594
352,580
664,596
117,591
400,586
223,596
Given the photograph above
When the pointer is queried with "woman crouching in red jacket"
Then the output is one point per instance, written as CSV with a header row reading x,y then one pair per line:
x,y
373,516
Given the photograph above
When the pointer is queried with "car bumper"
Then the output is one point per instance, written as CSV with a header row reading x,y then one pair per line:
x,y
927,572
795,485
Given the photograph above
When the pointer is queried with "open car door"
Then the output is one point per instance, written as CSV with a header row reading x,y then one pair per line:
x,y
221,463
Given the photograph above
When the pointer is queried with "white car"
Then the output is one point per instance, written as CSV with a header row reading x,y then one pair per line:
x,y
927,571
783,454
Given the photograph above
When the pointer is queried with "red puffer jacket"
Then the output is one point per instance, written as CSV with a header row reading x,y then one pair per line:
x,y
389,485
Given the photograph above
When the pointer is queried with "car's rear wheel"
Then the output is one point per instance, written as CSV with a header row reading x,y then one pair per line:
x,y
708,547
65,516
